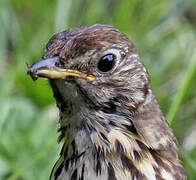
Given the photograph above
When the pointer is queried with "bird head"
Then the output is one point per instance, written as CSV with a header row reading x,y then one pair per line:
x,y
97,63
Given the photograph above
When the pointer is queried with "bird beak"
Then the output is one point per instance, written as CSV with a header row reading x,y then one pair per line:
x,y
47,68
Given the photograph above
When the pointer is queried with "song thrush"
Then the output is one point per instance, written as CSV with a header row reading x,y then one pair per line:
x,y
110,121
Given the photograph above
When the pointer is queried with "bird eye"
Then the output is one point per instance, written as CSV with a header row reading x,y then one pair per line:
x,y
106,63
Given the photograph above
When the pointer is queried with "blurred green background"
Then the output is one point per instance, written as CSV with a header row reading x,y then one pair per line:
x,y
164,33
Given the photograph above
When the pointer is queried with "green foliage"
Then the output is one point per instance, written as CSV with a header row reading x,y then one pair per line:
x,y
163,32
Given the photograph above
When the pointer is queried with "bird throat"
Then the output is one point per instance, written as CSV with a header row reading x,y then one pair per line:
x,y
90,134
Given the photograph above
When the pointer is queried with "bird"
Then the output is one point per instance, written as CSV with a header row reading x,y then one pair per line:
x,y
110,122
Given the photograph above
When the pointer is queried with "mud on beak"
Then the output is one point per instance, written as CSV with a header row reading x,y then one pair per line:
x,y
47,68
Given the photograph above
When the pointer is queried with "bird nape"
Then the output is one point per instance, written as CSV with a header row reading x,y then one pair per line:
x,y
111,124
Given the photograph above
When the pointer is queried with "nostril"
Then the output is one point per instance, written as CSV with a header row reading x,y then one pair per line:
x,y
61,63
57,64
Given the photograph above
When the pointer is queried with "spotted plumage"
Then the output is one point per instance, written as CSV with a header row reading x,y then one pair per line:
x,y
110,122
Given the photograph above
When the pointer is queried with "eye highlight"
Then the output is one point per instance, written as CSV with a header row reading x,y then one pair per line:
x,y
107,62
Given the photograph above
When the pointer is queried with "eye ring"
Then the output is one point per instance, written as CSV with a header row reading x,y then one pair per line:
x,y
107,62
